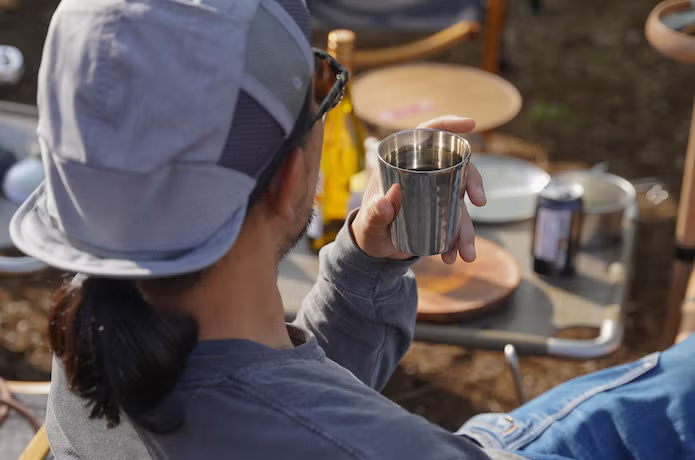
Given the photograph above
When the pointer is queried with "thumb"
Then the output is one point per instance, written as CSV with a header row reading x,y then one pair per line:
x,y
384,210
380,214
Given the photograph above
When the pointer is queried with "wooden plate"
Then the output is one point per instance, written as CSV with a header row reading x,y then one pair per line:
x,y
463,291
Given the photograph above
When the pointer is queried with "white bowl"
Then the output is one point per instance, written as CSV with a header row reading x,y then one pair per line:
x,y
511,187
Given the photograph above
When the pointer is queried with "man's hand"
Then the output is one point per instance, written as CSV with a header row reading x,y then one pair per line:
x,y
371,226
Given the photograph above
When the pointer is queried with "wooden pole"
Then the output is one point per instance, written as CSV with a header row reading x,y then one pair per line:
x,y
493,30
685,228
685,242
687,323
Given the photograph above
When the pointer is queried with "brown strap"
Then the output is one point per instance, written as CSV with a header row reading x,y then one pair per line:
x,y
7,402
23,411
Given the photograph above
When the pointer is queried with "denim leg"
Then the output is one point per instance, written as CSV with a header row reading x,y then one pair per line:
x,y
640,410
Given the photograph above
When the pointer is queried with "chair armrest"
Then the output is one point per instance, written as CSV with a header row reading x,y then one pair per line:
x,y
38,447
29,387
418,49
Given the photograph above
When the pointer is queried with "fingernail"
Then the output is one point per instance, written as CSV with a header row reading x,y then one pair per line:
x,y
469,252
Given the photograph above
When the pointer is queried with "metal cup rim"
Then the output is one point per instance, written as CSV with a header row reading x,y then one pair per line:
x,y
464,158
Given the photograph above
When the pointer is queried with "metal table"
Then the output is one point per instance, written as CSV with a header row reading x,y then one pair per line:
x,y
538,309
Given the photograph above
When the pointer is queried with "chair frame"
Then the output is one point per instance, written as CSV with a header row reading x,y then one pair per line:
x,y
494,24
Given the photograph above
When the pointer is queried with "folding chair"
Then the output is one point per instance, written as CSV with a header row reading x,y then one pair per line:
x,y
469,16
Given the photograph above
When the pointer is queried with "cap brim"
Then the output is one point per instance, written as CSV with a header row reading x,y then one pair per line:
x,y
42,240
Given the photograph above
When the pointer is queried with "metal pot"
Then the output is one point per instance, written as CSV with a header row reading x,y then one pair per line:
x,y
606,199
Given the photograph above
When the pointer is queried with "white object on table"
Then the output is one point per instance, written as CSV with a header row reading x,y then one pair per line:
x,y
22,179
17,135
11,65
511,186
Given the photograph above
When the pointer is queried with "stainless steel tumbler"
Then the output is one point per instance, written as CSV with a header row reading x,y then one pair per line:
x,y
431,166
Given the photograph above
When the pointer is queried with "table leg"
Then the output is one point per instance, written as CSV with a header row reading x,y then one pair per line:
x,y
493,31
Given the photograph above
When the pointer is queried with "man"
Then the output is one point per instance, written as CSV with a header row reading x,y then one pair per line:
x,y
182,149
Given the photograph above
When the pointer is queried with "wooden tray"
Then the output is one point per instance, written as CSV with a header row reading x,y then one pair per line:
x,y
463,291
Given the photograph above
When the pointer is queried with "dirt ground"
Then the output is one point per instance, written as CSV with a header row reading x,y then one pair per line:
x,y
593,91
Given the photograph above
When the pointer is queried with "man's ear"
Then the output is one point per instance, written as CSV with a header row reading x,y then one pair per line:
x,y
286,189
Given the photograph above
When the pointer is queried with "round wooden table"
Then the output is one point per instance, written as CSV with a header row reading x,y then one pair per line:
x,y
400,97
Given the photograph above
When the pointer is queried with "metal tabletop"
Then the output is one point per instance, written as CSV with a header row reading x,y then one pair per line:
x,y
537,310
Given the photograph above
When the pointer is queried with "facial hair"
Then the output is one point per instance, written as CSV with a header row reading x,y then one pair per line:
x,y
292,242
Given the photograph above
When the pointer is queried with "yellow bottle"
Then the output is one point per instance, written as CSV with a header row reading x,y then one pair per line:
x,y
343,153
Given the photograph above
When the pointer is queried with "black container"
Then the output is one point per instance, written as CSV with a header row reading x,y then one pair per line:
x,y
557,228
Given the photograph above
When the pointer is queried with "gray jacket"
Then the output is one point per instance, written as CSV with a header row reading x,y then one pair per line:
x,y
319,400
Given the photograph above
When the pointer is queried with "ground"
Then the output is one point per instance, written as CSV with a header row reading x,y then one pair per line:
x,y
593,91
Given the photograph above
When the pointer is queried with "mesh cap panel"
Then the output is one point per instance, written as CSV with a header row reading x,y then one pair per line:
x,y
277,64
277,69
300,15
254,136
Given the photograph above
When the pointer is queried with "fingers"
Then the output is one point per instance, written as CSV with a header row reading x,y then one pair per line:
x,y
465,243
373,190
395,196
474,186
379,215
450,123
371,227
449,258
466,240
382,210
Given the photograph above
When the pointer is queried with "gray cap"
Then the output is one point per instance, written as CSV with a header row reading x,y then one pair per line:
x,y
157,117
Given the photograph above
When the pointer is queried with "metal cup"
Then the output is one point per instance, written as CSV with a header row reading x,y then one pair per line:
x,y
431,166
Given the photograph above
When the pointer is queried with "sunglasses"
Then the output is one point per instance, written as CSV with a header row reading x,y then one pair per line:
x,y
330,79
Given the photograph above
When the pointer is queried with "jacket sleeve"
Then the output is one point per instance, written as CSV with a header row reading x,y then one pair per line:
x,y
361,310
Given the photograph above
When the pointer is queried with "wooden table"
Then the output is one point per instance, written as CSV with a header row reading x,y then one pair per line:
x,y
400,97
535,312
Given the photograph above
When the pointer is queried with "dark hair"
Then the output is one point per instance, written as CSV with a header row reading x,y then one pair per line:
x,y
119,352
122,354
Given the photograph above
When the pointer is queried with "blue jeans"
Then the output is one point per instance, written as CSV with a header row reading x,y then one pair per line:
x,y
641,410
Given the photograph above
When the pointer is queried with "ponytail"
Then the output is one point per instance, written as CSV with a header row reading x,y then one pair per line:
x,y
120,353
